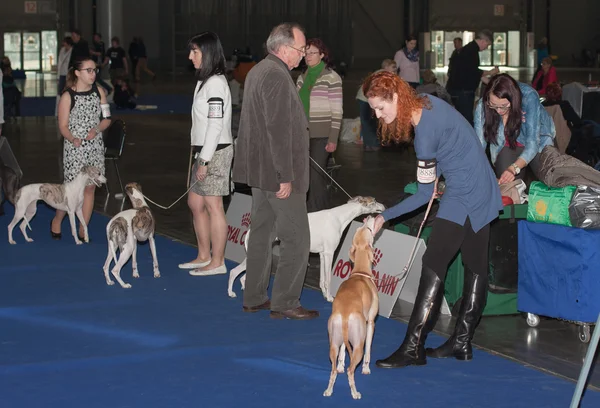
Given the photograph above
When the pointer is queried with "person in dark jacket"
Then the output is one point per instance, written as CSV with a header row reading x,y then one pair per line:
x,y
272,157
465,74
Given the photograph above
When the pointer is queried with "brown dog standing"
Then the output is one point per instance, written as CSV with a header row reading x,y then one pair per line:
x,y
355,307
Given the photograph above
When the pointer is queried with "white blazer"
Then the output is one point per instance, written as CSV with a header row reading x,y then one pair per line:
x,y
211,116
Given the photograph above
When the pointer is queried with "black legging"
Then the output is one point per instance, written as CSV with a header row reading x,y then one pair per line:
x,y
447,238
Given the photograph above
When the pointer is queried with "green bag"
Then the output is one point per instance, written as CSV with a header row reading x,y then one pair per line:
x,y
549,204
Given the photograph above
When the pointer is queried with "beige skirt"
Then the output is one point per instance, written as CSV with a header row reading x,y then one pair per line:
x,y
218,176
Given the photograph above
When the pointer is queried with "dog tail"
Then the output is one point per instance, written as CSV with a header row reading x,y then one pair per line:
x,y
27,223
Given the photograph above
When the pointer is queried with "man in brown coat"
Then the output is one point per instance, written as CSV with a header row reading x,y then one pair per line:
x,y
272,157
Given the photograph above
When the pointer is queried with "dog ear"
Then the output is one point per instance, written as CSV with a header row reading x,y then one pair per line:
x,y
352,252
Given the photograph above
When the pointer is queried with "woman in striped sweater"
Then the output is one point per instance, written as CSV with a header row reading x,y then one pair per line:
x,y
320,90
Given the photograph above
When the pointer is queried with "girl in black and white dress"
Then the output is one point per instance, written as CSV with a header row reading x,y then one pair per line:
x,y
213,153
83,114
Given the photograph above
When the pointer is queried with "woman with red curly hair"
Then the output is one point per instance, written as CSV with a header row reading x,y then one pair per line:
x,y
445,144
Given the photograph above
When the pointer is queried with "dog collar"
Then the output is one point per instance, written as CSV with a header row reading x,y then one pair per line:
x,y
366,275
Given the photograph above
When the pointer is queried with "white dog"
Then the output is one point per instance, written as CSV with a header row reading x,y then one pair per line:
x,y
326,230
124,230
352,321
66,197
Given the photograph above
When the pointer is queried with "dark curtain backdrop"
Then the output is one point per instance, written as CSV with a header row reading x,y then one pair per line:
x,y
247,23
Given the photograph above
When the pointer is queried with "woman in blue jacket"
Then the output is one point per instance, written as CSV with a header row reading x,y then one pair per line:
x,y
510,117
445,144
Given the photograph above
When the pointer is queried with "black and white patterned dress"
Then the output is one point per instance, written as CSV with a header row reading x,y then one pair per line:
x,y
85,115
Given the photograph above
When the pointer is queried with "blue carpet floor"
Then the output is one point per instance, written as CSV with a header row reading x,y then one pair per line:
x,y
69,340
165,104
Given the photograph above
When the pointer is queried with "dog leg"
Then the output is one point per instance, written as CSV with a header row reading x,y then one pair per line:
x,y
109,257
334,326
20,209
322,274
123,258
367,360
29,214
233,274
356,336
73,227
134,265
341,359
79,214
154,257
326,270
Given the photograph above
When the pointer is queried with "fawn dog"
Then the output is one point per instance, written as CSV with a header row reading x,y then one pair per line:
x,y
354,309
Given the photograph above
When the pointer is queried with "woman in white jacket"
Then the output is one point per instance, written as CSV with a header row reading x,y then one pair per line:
x,y
213,153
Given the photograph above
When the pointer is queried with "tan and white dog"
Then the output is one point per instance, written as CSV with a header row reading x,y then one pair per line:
x,y
356,304
124,230
326,230
66,197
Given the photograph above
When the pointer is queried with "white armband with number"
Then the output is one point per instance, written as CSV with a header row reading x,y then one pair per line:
x,y
105,107
426,171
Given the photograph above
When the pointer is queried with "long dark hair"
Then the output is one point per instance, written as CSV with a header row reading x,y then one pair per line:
x,y
71,77
503,86
213,57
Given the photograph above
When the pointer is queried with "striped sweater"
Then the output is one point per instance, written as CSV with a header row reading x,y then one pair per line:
x,y
326,110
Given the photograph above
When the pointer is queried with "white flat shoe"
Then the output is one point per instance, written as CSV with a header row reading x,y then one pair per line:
x,y
190,265
219,270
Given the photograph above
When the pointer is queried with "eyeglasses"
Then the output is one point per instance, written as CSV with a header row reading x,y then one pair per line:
x,y
312,53
89,70
499,108
300,50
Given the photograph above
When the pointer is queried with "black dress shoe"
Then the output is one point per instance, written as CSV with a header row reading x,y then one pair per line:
x,y
298,313
254,309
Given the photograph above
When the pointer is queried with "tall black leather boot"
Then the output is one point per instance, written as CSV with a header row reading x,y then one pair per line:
x,y
471,309
422,320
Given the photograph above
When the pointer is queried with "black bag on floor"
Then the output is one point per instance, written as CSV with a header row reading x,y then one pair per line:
x,y
503,254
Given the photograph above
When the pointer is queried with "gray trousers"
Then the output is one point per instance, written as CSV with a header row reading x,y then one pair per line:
x,y
289,220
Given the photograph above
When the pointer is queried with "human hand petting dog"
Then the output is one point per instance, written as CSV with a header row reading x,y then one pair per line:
x,y
285,189
201,172
377,224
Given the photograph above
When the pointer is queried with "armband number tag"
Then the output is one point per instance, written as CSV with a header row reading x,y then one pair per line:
x,y
426,171
215,108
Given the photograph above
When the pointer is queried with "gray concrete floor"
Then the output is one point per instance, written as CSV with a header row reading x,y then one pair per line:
x,y
156,155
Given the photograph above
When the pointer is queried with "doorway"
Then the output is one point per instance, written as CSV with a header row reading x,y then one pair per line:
x,y
32,50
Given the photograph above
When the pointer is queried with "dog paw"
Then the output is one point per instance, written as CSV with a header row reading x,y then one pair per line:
x,y
330,299
28,239
12,242
231,294
110,283
126,286
328,393
78,242
366,370
356,395
136,274
156,274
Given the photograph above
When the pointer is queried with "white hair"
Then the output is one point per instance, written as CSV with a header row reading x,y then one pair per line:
x,y
281,35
